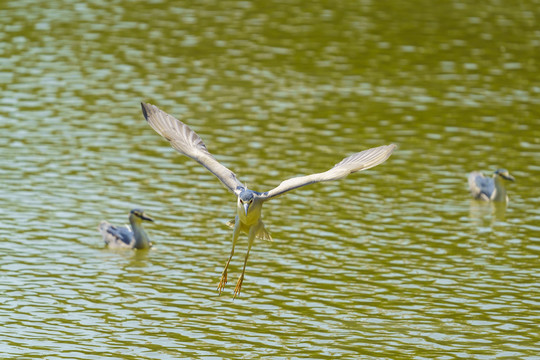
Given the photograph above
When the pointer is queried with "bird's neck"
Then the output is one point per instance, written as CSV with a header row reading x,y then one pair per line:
x,y
141,238
500,191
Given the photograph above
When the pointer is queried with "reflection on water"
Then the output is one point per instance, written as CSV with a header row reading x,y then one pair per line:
x,y
483,210
393,262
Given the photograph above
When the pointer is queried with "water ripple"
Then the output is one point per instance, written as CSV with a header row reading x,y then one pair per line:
x,y
395,262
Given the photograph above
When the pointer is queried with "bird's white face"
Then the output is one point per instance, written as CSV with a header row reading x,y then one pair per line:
x,y
244,205
248,211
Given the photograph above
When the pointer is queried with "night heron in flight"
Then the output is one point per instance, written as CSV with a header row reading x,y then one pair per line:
x,y
125,238
249,204
489,189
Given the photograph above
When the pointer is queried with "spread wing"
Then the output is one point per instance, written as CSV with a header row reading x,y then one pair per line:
x,y
356,162
187,142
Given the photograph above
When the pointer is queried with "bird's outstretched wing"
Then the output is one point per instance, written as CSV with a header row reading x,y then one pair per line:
x,y
356,162
187,142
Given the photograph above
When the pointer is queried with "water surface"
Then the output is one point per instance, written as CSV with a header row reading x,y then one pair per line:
x,y
394,262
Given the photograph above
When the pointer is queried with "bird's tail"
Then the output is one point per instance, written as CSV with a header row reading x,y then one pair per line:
x,y
263,234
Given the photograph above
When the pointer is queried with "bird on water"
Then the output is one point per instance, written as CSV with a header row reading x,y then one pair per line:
x,y
489,188
249,203
116,237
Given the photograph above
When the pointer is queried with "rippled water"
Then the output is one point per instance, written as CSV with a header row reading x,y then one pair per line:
x,y
394,262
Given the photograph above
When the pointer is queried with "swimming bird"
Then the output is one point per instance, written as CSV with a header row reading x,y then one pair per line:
x,y
489,189
123,237
249,203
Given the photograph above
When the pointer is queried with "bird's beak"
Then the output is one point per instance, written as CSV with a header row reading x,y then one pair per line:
x,y
147,218
246,207
507,176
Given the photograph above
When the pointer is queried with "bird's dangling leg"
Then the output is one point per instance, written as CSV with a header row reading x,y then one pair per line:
x,y
223,280
251,236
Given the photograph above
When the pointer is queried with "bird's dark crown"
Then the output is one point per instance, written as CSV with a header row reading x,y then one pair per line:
x,y
247,195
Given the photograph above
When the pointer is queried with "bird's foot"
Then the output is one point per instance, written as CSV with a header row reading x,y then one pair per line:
x,y
238,286
222,281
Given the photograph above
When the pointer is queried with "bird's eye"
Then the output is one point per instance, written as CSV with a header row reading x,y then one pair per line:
x,y
250,201
241,201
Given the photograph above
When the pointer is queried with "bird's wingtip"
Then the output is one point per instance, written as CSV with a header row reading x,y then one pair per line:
x,y
144,111
388,149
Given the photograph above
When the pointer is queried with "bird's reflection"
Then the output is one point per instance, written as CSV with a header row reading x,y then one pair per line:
x,y
483,211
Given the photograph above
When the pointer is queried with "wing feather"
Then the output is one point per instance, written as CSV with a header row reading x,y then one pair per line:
x,y
116,237
356,162
481,187
187,142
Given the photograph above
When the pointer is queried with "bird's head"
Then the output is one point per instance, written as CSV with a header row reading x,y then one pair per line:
x,y
245,199
139,215
503,173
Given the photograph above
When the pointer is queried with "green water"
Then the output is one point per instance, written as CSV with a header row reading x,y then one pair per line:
x,y
395,262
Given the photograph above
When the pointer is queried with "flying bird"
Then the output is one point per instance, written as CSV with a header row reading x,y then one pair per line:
x,y
249,203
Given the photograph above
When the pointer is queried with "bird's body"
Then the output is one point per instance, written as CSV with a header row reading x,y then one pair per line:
x,y
489,188
249,203
124,237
